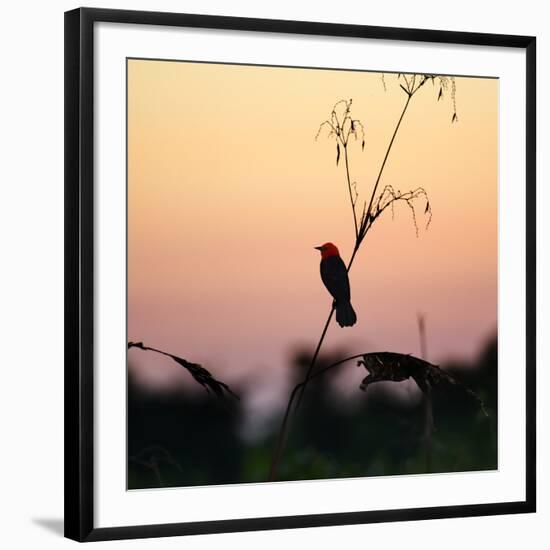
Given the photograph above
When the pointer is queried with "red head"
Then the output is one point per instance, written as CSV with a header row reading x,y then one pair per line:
x,y
328,250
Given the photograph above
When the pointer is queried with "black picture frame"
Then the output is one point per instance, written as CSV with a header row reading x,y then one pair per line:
x,y
79,272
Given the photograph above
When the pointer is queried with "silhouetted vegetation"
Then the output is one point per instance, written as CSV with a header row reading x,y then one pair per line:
x,y
198,372
450,423
184,438
181,438
345,130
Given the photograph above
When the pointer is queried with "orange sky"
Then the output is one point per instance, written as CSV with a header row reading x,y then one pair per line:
x,y
228,192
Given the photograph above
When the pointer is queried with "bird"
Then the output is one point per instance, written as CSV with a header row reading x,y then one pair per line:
x,y
335,278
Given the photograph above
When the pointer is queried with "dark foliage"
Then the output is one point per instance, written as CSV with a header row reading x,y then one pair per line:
x,y
184,439
181,438
384,435
199,373
397,367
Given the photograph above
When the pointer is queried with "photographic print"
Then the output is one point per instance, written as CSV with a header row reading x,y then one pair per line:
x,y
312,273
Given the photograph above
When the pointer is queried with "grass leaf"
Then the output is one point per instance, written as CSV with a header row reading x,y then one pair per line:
x,y
198,372
397,367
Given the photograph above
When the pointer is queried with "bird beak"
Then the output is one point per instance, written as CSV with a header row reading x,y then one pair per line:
x,y
318,247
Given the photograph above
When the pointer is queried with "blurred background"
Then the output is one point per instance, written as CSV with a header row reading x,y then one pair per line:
x,y
188,437
228,193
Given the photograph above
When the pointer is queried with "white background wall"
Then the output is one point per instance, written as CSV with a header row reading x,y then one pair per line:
x,y
31,273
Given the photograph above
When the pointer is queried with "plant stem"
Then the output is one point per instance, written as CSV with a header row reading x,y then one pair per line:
x,y
386,155
427,406
285,426
323,334
358,240
350,193
359,236
283,433
316,352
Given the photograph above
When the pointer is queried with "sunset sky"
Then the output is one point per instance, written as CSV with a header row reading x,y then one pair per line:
x,y
228,193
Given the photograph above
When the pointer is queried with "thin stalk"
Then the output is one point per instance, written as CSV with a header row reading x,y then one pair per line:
x,y
382,166
147,348
427,408
285,426
358,239
283,433
350,192
323,334
359,236
316,352
427,405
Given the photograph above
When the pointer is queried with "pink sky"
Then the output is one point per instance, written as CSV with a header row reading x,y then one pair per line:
x,y
229,193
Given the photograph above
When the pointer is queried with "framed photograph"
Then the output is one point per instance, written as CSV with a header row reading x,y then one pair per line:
x,y
300,274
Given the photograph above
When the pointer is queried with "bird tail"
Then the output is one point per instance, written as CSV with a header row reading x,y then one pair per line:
x,y
345,315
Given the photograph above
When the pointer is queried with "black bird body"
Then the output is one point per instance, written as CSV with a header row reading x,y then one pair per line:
x,y
335,278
